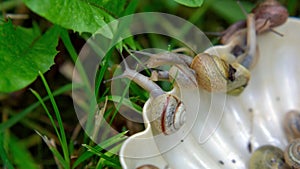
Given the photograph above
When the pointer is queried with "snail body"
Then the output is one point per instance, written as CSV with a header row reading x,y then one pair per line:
x,y
267,157
292,154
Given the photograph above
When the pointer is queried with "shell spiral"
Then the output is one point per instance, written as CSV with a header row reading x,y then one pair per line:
x,y
292,154
167,113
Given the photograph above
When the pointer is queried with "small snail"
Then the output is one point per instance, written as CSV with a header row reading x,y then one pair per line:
x,y
292,154
167,111
267,157
292,125
147,166
269,14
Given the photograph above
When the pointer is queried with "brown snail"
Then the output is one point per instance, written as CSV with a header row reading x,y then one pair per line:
x,y
292,154
267,157
167,111
268,15
292,125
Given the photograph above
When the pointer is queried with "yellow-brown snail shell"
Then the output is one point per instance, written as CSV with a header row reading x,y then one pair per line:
x,y
216,75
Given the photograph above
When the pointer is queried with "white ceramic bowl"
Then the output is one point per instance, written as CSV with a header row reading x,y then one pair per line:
x,y
221,131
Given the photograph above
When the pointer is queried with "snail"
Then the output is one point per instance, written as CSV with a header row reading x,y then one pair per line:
x,y
268,15
292,154
167,110
292,125
267,157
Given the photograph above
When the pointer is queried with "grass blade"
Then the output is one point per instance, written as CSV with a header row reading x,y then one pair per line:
x,y
64,143
48,113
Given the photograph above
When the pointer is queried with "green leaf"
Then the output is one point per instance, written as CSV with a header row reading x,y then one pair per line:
x,y
23,53
190,3
78,15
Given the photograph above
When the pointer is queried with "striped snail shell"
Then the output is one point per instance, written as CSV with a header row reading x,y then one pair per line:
x,y
167,113
267,157
292,154
216,75
292,125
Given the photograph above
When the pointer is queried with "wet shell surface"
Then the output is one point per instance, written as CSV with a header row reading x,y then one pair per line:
x,y
222,131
